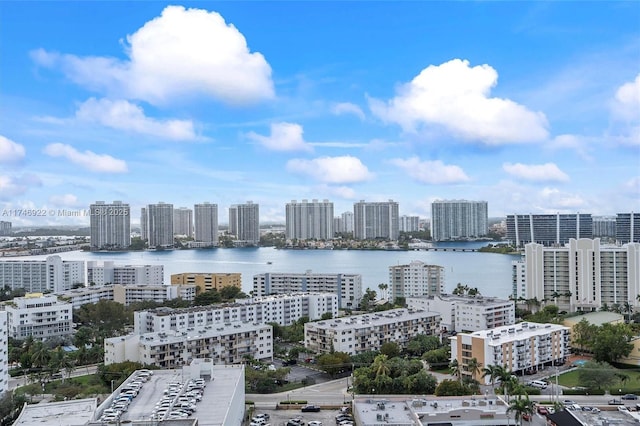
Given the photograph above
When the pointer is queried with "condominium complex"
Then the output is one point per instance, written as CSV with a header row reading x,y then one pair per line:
x,y
5,228
409,223
583,275
376,220
38,316
548,229
309,220
222,344
628,228
517,348
415,279
343,223
363,333
4,353
244,223
158,225
604,227
208,280
348,287
110,225
467,313
206,221
38,276
183,222
109,273
281,309
458,220
128,294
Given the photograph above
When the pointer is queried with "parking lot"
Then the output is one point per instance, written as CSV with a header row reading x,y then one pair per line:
x,y
281,417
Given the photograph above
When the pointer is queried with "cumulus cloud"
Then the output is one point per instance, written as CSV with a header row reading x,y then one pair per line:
x,y
431,172
183,52
625,110
10,151
331,170
552,200
12,186
456,97
65,200
348,108
548,172
283,137
88,160
123,115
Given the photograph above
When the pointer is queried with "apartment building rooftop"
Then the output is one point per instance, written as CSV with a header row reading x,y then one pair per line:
x,y
379,318
518,331
69,413
469,300
202,332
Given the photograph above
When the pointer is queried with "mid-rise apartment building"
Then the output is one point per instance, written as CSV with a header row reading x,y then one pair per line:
x,y
550,230
4,353
416,279
309,220
158,225
208,280
458,220
244,223
110,273
281,309
372,220
582,276
628,228
110,225
206,223
348,287
39,276
223,344
361,333
467,313
38,316
517,348
183,222
127,295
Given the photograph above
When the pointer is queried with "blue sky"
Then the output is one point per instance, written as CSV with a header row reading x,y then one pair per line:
x,y
533,107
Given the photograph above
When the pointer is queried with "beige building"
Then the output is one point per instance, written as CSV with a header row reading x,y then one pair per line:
x,y
208,280
520,347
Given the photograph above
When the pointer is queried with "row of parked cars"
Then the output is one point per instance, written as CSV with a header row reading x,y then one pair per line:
x,y
127,392
179,400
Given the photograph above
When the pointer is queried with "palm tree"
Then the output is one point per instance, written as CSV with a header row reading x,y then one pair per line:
x,y
520,406
39,355
383,290
474,367
491,371
456,369
381,366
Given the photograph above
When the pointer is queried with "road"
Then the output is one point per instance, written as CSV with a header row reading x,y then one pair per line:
x,y
15,382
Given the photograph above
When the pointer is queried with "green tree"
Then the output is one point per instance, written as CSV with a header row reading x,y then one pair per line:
x,y
368,300
451,388
333,362
438,357
326,316
612,342
390,349
520,406
456,369
596,375
475,368
421,344
583,334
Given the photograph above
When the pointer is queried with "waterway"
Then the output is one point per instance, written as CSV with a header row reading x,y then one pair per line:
x,y
489,272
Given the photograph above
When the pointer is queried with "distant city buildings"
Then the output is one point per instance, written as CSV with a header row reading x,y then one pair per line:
x,y
467,313
458,220
548,229
158,225
206,222
581,276
309,220
409,223
40,276
4,353
110,273
244,223
183,222
415,279
5,228
362,333
206,281
373,220
110,226
628,228
348,287
344,223
604,227
38,316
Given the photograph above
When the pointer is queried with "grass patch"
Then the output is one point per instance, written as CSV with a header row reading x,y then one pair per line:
x,y
570,379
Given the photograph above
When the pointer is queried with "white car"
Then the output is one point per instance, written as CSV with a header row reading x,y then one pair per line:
x,y
315,423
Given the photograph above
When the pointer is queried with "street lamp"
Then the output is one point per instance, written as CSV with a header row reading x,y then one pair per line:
x,y
112,380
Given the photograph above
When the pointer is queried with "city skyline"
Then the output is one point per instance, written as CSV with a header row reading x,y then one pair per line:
x,y
273,102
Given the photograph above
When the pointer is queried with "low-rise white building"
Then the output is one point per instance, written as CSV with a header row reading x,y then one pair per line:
x,y
284,309
467,313
362,333
520,347
127,294
223,344
51,274
38,316
348,287
110,273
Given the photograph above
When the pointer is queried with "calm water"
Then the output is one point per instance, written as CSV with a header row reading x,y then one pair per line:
x,y
490,273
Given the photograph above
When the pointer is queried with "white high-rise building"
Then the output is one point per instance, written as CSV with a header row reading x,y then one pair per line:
x,y
183,222
5,228
110,225
409,223
376,220
416,279
206,218
583,275
309,220
39,316
39,276
110,273
244,223
159,225
4,353
458,220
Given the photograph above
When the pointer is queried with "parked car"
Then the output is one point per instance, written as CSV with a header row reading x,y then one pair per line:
x,y
310,409
288,362
542,410
630,396
526,417
615,402
314,423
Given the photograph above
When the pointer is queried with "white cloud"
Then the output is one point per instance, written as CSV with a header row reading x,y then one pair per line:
x,y
12,186
548,172
456,97
553,200
625,111
431,172
65,200
124,115
632,187
10,151
89,160
348,108
183,52
332,170
283,137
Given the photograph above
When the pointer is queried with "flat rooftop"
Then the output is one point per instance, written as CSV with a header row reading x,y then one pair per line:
x,y
385,317
518,331
69,413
